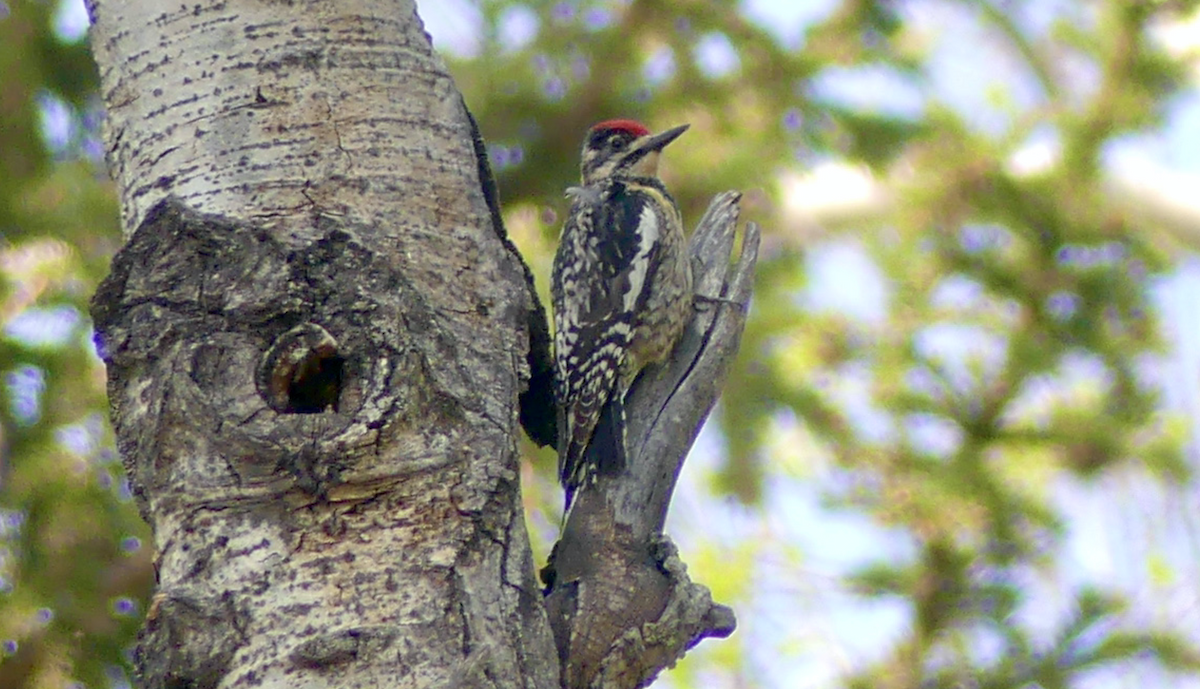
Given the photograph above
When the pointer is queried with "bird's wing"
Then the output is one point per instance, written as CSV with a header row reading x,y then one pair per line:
x,y
617,234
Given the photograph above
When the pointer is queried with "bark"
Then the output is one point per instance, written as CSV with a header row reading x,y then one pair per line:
x,y
320,344
346,264
619,598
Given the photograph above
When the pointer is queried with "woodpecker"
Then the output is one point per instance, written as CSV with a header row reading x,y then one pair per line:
x,y
621,288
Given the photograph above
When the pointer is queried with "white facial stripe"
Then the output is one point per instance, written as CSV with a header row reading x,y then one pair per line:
x,y
648,232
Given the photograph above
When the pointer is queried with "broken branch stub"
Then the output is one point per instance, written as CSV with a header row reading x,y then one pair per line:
x,y
620,602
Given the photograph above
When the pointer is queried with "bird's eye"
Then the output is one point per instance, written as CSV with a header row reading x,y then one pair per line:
x,y
616,143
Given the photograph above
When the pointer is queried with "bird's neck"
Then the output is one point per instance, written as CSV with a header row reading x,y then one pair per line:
x,y
623,176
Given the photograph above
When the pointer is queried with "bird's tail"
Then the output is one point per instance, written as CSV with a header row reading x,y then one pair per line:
x,y
601,455
606,452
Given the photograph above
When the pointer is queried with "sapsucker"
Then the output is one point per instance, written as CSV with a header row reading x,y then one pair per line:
x,y
622,293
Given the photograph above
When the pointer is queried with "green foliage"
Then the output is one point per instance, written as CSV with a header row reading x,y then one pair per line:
x,y
1017,322
74,577
1015,329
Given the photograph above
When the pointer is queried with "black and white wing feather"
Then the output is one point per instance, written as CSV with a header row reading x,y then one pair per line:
x,y
601,276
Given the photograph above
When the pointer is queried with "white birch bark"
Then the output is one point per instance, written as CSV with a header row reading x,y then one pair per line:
x,y
316,337
381,544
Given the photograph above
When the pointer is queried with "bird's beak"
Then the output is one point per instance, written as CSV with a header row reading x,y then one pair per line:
x,y
659,141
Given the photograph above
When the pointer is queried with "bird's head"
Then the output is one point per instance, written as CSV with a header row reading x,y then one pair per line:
x,y
623,148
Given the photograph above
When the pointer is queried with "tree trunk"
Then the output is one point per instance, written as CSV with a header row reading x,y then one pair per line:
x,y
314,383
320,344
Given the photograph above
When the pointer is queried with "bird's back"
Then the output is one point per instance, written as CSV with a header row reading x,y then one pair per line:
x,y
622,299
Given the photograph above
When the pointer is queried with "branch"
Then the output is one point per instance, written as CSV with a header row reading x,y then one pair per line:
x,y
620,602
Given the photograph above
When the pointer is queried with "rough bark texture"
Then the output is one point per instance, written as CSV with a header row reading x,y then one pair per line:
x,y
314,381
620,601
317,335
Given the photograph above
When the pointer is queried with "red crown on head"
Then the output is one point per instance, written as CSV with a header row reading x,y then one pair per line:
x,y
632,126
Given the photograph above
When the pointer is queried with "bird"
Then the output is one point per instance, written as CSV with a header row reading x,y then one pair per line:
x,y
621,291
